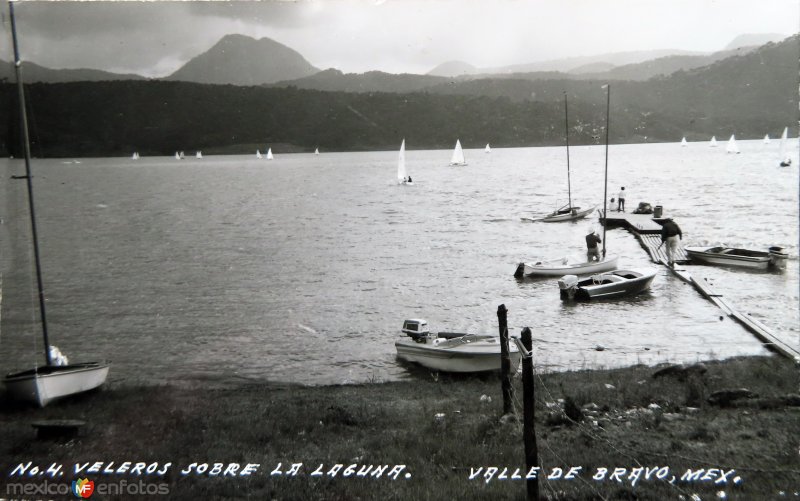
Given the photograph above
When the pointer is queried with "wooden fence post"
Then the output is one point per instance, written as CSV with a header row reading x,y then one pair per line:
x,y
505,361
528,432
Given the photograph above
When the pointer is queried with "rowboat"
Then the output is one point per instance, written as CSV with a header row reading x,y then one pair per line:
x,y
775,257
561,267
608,285
452,351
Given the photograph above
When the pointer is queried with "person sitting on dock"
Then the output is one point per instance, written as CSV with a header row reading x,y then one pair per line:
x,y
671,233
592,251
621,200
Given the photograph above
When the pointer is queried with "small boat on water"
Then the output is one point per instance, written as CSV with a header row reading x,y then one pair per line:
x,y
452,351
269,154
402,174
775,257
488,148
732,147
786,160
607,285
683,142
561,267
713,142
458,155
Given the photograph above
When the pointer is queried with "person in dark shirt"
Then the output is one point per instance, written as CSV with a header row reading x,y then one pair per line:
x,y
592,251
670,234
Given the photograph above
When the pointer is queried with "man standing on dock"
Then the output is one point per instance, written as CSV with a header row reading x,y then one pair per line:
x,y
621,200
671,233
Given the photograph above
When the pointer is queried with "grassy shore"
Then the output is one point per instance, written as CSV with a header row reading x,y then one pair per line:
x,y
432,435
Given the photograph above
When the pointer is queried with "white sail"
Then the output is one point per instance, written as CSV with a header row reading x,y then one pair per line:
x,y
316,151
269,154
135,155
766,139
785,159
177,155
401,164
258,154
199,154
458,155
487,149
713,142
683,142
732,147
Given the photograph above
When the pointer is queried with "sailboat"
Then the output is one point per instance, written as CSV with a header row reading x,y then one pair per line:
x,y
488,149
713,142
567,212
269,154
732,147
609,284
177,155
57,378
786,160
316,151
458,155
199,154
258,154
766,139
135,155
683,142
402,175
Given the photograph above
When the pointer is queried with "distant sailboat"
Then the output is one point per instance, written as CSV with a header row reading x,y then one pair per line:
x,y
316,151
135,155
786,161
487,149
458,155
713,142
683,142
766,139
402,175
269,154
258,154
181,155
199,154
177,155
732,147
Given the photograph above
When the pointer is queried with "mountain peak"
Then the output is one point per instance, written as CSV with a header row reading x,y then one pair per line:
x,y
453,69
751,39
242,60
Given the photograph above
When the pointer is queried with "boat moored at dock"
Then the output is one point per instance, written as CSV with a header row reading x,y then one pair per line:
x,y
775,257
609,285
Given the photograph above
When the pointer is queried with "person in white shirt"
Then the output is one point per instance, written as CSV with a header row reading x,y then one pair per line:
x,y
621,200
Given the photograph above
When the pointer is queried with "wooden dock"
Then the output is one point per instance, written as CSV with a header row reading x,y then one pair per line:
x,y
647,231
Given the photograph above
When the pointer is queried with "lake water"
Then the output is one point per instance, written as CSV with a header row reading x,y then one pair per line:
x,y
303,268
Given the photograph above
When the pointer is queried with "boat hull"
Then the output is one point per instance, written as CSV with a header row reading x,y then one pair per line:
x,y
555,269
459,354
560,216
611,285
42,385
726,256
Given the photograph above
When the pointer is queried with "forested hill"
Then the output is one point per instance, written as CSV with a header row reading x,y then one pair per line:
x,y
749,96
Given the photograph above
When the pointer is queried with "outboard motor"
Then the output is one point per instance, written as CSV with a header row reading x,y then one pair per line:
x,y
416,329
567,285
520,271
777,257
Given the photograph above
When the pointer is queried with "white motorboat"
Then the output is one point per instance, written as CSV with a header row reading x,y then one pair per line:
x,y
561,267
775,257
607,285
452,351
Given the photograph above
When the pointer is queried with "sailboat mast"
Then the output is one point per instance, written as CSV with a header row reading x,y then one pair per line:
x,y
566,132
29,179
605,190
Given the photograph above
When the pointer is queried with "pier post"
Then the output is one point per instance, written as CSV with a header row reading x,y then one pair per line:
x,y
505,360
528,431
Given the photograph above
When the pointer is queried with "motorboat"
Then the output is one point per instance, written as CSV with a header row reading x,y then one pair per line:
x,y
774,257
607,285
452,351
561,267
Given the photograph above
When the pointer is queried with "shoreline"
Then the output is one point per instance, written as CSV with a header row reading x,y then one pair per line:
x,y
445,431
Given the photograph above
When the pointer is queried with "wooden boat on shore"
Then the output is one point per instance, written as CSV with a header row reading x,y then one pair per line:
x,y
57,378
561,267
452,351
775,257
607,285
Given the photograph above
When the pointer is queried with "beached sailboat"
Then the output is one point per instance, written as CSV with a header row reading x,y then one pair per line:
x,y
402,175
732,147
567,212
786,160
269,154
57,378
458,155
683,142
713,142
488,148
452,351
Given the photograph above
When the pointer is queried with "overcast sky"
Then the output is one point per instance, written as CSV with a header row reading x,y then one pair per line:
x,y
155,38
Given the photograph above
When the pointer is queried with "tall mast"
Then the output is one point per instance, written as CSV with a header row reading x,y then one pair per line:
x,y
566,131
29,179
605,191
